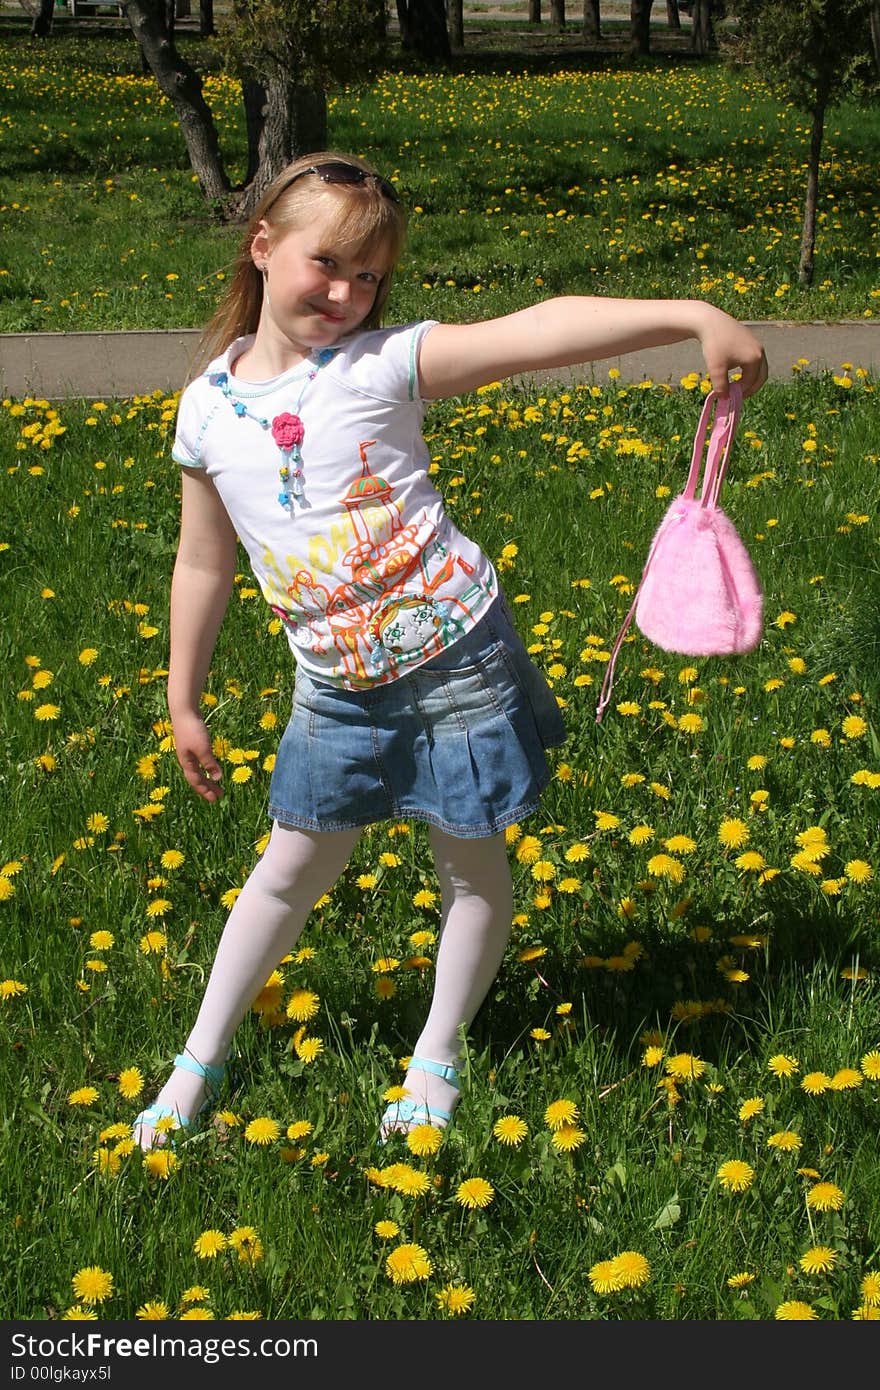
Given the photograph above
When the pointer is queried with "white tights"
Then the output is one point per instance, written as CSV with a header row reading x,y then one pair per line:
x,y
296,868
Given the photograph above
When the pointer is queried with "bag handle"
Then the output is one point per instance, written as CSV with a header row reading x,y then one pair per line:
x,y
726,415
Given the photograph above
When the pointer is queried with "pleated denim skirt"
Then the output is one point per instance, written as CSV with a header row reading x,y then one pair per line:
x,y
460,742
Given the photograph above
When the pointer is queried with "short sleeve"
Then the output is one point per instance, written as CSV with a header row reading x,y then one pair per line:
x,y
384,364
188,432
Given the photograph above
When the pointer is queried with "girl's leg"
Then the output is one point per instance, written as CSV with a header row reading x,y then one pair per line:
x,y
476,916
295,869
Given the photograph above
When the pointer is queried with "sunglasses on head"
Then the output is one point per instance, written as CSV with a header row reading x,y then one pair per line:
x,y
337,171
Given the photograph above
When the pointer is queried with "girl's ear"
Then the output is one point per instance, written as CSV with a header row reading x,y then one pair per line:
x,y
260,246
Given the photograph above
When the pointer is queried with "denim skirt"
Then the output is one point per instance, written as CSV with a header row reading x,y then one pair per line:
x,y
459,742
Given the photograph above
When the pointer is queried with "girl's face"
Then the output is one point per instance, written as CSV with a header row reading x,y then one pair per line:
x,y
315,289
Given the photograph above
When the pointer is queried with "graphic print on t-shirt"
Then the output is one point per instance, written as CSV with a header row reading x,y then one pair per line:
x,y
397,606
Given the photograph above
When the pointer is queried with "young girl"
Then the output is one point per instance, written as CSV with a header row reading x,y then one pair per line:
x,y
414,696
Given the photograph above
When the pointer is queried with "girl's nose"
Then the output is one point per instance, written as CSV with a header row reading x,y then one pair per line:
x,y
340,292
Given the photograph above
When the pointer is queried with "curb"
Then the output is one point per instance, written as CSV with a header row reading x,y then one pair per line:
x,y
119,364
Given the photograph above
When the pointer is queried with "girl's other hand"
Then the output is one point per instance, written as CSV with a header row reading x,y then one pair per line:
x,y
192,744
727,344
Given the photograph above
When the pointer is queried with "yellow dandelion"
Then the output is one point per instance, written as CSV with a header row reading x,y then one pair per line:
x,y
819,1259
210,1244
456,1299
870,1289
858,871
795,1311
825,1196
846,1079
510,1130
424,1140
815,1083
750,1108
559,1113
604,1277
870,1065
474,1193
782,1065
632,1269
786,1140
386,1230
262,1130
131,1083
736,1175
566,1138
684,1067
160,1163
733,834
86,1095
92,1284
302,1005
407,1264
154,1310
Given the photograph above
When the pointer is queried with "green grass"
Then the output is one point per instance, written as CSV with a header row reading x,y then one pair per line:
x,y
669,178
720,972
661,179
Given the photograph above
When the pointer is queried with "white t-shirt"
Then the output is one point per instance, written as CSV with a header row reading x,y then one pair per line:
x,y
361,562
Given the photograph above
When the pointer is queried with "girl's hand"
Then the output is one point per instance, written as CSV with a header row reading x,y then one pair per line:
x,y
192,744
727,344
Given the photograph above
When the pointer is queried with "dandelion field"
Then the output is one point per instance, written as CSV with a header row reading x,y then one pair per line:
x,y
667,179
671,1100
671,1097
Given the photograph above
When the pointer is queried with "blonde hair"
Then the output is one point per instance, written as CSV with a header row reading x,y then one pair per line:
x,y
366,218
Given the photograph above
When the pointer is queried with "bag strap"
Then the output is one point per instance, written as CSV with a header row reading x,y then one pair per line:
x,y
726,415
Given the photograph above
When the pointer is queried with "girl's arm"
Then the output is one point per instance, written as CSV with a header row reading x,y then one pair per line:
x,y
207,553
456,358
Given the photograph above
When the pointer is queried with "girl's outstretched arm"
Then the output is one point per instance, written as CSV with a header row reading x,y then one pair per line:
x,y
204,570
563,332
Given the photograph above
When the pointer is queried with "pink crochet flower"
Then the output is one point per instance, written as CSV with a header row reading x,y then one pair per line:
x,y
287,430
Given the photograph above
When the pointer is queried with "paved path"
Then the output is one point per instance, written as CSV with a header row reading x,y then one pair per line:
x,y
118,365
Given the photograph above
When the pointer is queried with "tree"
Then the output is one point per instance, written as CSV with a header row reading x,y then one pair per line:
x,y
592,21
705,12
455,17
288,54
423,30
814,53
41,27
640,28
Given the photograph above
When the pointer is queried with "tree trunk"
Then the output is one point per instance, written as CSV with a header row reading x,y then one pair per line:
x,y
811,202
592,27
455,22
875,33
557,15
673,18
182,85
403,22
701,31
283,120
423,29
206,19
640,28
534,11
42,25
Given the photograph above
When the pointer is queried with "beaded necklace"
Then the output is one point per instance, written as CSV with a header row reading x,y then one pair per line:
x,y
288,431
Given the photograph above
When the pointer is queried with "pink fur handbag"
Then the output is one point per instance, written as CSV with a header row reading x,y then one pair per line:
x,y
699,594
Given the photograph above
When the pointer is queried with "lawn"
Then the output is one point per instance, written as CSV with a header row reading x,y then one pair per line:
x,y
671,1096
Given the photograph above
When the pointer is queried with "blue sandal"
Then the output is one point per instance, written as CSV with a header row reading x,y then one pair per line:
x,y
213,1078
401,1115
